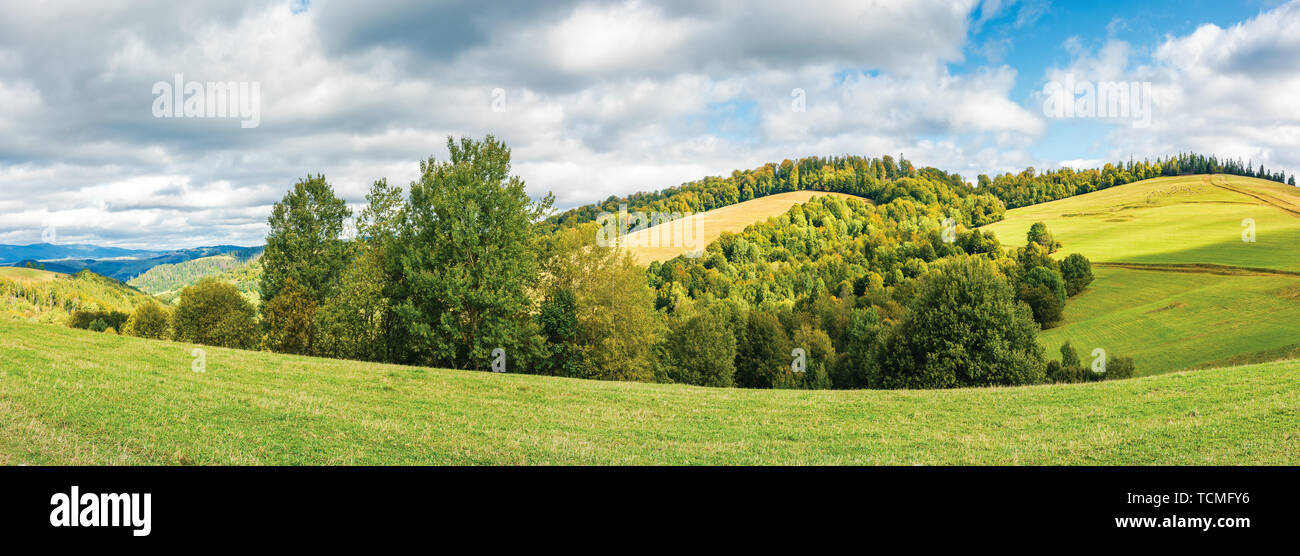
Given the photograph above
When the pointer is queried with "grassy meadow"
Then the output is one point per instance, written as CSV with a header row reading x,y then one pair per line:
x,y
1179,320
76,397
1176,287
1177,220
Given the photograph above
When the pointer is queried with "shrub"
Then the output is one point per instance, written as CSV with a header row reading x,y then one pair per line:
x,y
98,321
213,313
149,321
1119,367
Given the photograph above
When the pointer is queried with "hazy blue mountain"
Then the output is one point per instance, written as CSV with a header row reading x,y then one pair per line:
x,y
121,264
10,254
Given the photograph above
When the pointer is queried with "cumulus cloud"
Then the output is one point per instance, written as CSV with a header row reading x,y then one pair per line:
x,y
1228,91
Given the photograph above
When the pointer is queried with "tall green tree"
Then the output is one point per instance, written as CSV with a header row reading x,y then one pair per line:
x,y
702,351
305,242
1076,269
616,324
963,328
355,322
466,265
763,353
1038,234
351,323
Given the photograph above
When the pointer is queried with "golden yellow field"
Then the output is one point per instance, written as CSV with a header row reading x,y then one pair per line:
x,y
669,240
27,275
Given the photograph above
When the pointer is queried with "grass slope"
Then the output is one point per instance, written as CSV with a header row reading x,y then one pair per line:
x,y
1179,220
1176,286
73,397
731,218
1179,320
28,275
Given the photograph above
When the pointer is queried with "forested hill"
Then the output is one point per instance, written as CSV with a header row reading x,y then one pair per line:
x,y
880,179
1030,187
884,179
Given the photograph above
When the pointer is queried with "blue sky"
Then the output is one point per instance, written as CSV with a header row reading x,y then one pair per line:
x,y
597,97
1038,43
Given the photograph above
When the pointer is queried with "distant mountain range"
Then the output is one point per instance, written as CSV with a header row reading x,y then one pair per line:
x,y
114,262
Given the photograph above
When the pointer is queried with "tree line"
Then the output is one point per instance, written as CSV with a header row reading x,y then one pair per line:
x,y
1030,187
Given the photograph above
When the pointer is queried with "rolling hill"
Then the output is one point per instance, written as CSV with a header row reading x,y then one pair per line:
x,y
658,243
166,281
63,402
1177,287
43,296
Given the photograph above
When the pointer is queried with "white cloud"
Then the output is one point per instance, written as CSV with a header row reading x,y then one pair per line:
x,y
1226,91
602,98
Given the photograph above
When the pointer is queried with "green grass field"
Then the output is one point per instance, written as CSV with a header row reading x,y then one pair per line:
x,y
1182,220
1178,320
75,397
1182,290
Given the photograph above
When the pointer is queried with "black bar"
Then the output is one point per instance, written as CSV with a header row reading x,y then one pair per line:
x,y
326,504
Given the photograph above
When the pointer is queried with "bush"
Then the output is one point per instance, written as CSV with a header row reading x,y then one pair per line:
x,y
98,321
1055,372
1076,269
149,321
1119,367
213,313
1070,357
964,328
702,351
